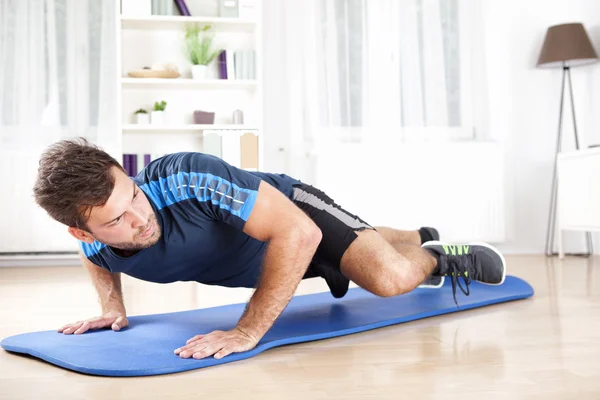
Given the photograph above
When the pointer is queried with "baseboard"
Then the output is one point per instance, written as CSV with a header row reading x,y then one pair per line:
x,y
39,260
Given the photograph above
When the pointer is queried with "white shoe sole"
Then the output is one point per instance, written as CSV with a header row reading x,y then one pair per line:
x,y
422,286
440,243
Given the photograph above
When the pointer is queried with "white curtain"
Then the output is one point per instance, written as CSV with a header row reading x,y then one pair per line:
x,y
359,69
57,80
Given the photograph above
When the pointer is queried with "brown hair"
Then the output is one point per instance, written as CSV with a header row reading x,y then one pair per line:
x,y
74,176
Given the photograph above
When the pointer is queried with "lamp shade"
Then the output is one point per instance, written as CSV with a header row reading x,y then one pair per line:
x,y
566,44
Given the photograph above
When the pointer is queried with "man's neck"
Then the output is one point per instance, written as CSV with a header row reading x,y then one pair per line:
x,y
124,253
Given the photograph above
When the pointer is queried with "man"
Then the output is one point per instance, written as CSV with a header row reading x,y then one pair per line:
x,y
192,217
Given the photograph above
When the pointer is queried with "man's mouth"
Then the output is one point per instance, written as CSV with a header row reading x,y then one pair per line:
x,y
148,232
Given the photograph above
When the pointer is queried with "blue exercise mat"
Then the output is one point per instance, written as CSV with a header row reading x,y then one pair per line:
x,y
146,346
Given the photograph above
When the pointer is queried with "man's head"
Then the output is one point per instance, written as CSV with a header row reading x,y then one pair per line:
x,y
86,189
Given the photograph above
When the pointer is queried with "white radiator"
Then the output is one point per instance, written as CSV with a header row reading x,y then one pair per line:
x,y
456,187
25,226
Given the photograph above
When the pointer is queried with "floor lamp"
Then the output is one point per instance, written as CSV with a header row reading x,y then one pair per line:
x,y
565,46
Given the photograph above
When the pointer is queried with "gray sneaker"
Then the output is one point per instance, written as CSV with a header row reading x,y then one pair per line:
x,y
432,282
475,261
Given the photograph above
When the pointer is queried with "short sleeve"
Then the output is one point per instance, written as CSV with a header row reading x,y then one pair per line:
x,y
217,189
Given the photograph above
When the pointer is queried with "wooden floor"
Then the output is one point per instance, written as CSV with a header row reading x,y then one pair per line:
x,y
547,347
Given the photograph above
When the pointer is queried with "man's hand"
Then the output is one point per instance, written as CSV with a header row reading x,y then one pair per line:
x,y
112,319
219,343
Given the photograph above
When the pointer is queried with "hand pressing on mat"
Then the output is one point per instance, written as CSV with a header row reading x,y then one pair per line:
x,y
219,343
111,319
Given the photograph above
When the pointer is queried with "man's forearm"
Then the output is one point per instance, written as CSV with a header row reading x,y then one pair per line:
x,y
111,295
285,263
108,286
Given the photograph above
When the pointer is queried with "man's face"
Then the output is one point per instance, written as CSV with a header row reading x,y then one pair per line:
x,y
127,221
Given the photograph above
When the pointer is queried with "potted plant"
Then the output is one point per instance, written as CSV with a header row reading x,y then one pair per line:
x,y
199,50
142,116
159,112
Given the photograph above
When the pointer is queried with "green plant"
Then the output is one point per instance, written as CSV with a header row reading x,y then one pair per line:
x,y
199,45
160,106
141,111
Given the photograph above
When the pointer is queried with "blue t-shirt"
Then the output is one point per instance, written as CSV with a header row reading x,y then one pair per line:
x,y
201,205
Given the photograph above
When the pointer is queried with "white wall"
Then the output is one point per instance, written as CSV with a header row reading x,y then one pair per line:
x,y
523,105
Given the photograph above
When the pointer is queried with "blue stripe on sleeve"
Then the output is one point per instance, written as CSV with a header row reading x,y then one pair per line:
x,y
203,187
91,249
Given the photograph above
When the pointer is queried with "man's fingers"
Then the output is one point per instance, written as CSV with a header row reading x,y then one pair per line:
x,y
201,352
190,344
121,322
62,328
72,328
225,351
83,328
218,343
80,327
197,337
189,347
200,349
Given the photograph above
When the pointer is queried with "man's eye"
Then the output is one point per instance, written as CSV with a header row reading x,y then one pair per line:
x,y
117,221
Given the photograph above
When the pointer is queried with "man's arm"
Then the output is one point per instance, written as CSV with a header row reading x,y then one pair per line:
x,y
108,287
293,240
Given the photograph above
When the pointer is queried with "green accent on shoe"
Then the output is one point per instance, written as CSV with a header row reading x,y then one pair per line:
x,y
449,250
452,250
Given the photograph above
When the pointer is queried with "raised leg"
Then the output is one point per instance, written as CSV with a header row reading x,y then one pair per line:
x,y
385,269
395,236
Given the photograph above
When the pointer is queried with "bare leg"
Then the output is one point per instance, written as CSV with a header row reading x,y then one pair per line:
x,y
395,236
385,270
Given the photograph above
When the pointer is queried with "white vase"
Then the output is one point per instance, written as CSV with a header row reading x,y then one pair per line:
x,y
199,71
142,118
158,117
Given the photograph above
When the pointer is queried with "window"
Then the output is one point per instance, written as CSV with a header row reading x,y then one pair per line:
x,y
400,64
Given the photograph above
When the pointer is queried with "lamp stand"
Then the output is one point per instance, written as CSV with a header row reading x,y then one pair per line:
x,y
553,196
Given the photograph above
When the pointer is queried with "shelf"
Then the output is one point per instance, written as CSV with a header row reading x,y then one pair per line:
x,y
184,83
183,128
179,22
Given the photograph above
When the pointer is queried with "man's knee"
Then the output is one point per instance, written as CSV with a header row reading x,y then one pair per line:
x,y
396,278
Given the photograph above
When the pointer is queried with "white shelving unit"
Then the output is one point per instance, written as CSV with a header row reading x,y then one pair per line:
x,y
146,41
184,83
186,128
177,21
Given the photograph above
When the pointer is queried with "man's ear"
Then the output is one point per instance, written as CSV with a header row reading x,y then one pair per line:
x,y
81,235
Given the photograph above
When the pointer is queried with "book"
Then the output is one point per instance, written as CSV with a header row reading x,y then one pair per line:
x,y
213,144
222,62
140,162
230,148
133,164
249,151
127,163
230,64
238,65
182,7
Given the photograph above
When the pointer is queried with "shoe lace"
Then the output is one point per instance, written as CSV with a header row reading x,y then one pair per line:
x,y
458,268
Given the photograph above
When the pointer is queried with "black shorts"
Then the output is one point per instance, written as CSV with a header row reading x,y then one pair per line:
x,y
338,227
